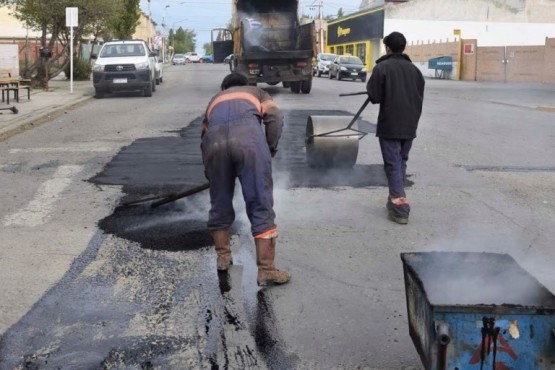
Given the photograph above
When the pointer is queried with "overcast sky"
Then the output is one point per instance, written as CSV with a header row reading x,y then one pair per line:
x,y
203,16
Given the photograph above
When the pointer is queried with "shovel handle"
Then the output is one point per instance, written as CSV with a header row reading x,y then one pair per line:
x,y
355,93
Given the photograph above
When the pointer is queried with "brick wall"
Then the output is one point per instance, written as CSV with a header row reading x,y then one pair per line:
x,y
528,64
549,61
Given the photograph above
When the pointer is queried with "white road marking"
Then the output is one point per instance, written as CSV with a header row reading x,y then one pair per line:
x,y
84,147
39,209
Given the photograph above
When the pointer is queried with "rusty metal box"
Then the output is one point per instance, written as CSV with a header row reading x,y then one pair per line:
x,y
478,311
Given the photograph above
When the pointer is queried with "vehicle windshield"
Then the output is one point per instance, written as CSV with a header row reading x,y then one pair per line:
x,y
179,56
122,50
328,57
350,60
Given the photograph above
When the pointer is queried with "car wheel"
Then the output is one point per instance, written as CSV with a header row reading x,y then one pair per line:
x,y
148,90
286,84
153,83
330,75
157,81
161,80
306,86
338,76
363,79
296,87
319,74
98,94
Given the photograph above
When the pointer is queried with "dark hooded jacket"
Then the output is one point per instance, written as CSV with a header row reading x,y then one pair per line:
x,y
398,86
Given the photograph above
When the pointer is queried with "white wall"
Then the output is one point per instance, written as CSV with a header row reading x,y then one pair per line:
x,y
487,33
8,58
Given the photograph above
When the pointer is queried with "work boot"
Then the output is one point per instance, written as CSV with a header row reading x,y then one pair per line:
x,y
398,210
267,272
223,249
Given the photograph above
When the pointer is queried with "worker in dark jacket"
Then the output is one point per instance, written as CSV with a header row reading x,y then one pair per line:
x,y
235,145
398,86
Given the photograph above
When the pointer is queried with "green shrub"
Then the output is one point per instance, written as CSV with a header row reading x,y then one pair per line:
x,y
81,70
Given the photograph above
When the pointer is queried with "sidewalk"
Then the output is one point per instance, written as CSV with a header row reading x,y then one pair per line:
x,y
42,104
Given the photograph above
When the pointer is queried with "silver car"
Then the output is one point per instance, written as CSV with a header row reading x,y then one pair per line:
x,y
178,59
323,61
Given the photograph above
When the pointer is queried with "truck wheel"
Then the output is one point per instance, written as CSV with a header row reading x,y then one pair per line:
x,y
306,86
296,87
148,90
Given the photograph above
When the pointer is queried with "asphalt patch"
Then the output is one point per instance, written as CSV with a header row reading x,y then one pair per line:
x,y
161,166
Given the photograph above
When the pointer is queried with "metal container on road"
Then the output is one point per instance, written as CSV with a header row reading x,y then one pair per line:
x,y
478,311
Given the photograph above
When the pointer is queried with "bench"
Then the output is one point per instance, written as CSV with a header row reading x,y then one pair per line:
x,y
12,84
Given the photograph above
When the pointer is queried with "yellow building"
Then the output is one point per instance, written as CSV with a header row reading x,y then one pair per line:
x,y
146,30
358,34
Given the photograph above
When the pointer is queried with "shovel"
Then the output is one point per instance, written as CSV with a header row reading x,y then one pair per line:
x,y
167,198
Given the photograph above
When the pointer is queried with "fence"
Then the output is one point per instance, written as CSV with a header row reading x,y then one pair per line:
x,y
526,64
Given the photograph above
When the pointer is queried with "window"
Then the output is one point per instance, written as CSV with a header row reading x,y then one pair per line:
x,y
350,49
340,50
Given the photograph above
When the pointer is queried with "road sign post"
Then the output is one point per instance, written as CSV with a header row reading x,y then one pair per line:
x,y
71,21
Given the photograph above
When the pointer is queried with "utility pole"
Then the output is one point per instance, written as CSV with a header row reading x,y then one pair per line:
x,y
320,24
321,31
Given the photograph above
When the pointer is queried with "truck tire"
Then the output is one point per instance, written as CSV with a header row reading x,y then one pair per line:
x,y
306,86
148,90
296,87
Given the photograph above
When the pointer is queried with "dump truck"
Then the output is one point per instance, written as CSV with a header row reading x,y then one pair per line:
x,y
270,45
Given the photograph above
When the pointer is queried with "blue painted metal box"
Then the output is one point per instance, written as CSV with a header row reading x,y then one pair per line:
x,y
478,311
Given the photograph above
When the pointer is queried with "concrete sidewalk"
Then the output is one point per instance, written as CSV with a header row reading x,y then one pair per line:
x,y
42,105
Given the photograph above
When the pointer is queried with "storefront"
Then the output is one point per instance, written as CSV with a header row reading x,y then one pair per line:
x,y
357,34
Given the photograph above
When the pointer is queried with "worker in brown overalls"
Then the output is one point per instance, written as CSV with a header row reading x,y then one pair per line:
x,y
235,145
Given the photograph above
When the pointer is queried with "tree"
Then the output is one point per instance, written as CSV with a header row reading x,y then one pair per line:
x,y
184,41
207,48
124,24
48,17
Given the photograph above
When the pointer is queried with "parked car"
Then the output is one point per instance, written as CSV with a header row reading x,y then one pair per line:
x,y
227,59
347,66
159,68
124,65
178,59
207,59
322,65
192,57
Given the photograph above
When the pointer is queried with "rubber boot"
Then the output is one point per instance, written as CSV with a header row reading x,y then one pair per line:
x,y
267,272
223,249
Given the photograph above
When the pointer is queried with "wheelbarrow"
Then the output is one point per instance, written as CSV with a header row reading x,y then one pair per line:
x,y
331,144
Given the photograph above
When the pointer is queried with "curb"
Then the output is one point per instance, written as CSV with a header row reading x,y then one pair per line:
x,y
35,120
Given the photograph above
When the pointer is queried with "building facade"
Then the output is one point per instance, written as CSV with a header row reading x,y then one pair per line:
x,y
358,34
